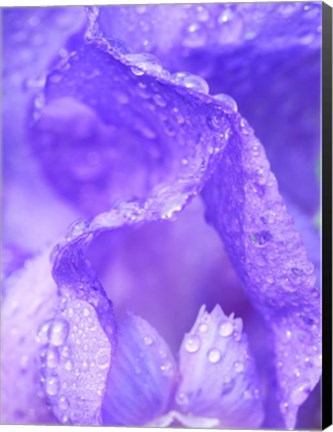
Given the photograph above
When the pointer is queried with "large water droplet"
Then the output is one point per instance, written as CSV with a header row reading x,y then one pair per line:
x,y
228,104
225,329
203,328
58,332
52,358
51,386
103,358
43,333
214,355
191,81
192,343
142,63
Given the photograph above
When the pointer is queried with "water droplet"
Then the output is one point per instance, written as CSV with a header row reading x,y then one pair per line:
x,y
239,367
65,351
148,340
86,312
195,36
103,358
226,15
192,343
52,358
68,365
63,403
43,333
142,63
203,328
58,332
179,117
214,355
225,329
202,13
246,129
166,368
228,104
182,399
159,100
85,365
51,386
191,81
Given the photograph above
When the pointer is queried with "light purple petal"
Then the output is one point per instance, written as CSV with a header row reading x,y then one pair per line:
x,y
142,376
28,300
218,375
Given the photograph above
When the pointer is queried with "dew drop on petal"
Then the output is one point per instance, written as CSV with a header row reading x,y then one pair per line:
x,y
63,403
58,332
191,81
52,358
239,367
192,343
228,103
43,333
68,365
102,358
225,329
148,340
203,328
214,355
141,63
51,386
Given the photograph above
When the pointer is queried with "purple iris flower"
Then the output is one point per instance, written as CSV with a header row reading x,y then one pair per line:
x,y
187,291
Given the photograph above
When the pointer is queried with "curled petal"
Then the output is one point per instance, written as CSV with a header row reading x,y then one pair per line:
x,y
142,376
218,376
155,128
244,205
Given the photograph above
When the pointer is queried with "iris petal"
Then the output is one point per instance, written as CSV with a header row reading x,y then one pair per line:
x,y
218,375
142,376
244,205
28,300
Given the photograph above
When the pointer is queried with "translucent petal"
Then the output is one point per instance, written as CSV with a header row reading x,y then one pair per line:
x,y
218,374
142,377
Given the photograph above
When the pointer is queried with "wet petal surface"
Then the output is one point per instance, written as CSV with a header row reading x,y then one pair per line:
x,y
218,375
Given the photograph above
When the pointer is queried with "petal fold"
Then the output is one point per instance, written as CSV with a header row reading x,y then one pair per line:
x,y
244,205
